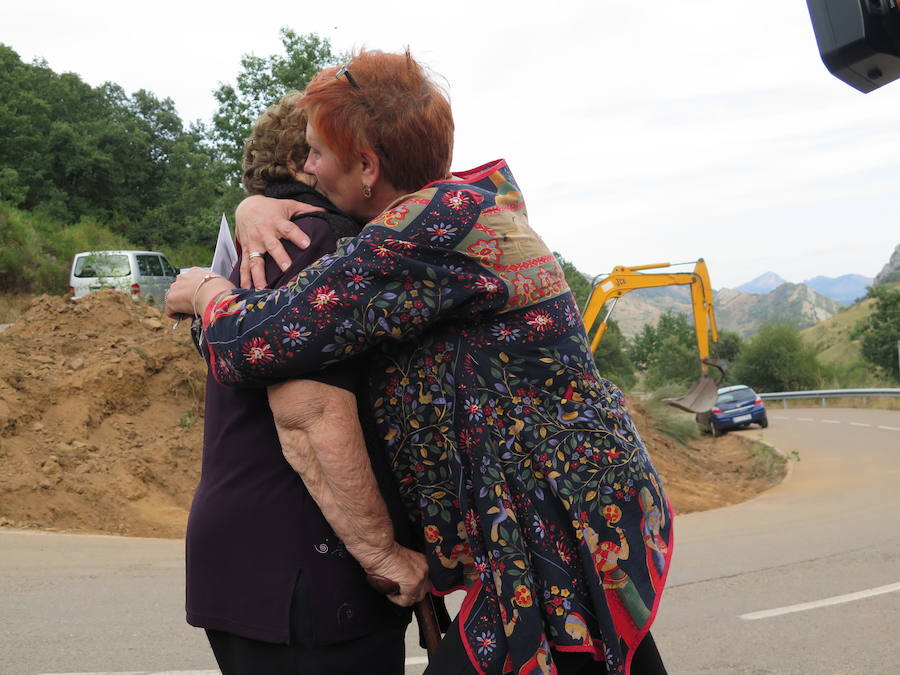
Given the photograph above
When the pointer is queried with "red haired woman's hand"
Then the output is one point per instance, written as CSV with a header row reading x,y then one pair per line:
x,y
261,224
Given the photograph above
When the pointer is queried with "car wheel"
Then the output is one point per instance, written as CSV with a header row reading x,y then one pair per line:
x,y
764,422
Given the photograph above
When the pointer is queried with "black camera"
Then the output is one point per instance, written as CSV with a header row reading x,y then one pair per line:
x,y
859,40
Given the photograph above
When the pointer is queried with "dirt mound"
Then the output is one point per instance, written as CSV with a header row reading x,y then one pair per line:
x,y
99,417
101,425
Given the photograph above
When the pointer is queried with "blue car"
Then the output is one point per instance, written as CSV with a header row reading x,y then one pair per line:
x,y
736,407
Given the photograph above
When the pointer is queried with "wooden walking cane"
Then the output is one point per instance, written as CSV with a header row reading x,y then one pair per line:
x,y
424,610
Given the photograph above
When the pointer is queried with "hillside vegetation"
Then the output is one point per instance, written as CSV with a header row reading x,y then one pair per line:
x,y
833,338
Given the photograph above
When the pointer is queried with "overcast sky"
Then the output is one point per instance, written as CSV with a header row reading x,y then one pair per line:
x,y
639,132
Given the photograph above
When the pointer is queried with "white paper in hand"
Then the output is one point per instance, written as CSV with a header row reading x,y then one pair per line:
x,y
224,259
225,255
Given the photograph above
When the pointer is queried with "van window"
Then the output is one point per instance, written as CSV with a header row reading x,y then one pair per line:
x,y
149,266
101,265
168,270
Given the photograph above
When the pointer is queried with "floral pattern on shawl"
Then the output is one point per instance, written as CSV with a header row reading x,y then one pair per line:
x,y
518,462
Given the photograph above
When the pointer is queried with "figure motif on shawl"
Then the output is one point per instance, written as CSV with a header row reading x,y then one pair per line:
x,y
577,629
653,520
624,600
459,554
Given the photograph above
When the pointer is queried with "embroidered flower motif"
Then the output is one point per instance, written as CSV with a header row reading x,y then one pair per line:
x,y
540,320
324,298
546,277
487,285
506,333
441,233
357,279
473,409
383,251
257,350
294,334
402,244
395,216
488,250
485,643
522,596
457,199
524,285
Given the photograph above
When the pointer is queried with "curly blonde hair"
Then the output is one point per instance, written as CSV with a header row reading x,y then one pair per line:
x,y
276,147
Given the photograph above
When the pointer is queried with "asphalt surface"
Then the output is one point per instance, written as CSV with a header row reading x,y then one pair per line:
x,y
97,604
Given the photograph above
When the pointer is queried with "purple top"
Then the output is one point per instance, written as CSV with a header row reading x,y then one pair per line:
x,y
253,526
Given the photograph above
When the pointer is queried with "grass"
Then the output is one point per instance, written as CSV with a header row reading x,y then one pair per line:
x,y
769,462
13,306
189,418
676,424
831,338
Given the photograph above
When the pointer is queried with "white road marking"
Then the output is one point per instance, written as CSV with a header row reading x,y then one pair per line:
x,y
780,417
889,428
836,600
417,660
858,424
831,421
805,419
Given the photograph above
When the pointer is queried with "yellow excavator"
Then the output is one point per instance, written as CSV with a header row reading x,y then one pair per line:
x,y
702,395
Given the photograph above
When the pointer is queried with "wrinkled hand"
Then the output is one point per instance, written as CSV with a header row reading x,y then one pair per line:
x,y
180,296
406,567
260,225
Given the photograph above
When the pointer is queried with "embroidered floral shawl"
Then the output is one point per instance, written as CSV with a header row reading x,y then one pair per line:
x,y
519,463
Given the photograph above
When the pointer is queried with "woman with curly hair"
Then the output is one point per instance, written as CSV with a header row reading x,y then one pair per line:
x,y
516,461
267,577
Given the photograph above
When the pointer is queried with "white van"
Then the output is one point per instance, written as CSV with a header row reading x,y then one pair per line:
x,y
145,275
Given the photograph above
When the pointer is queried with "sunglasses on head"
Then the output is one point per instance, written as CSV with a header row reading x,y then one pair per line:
x,y
345,70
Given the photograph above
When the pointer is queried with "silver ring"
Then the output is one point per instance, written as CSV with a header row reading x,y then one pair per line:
x,y
254,254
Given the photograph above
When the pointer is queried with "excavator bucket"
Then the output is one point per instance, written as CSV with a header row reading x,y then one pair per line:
x,y
702,395
700,398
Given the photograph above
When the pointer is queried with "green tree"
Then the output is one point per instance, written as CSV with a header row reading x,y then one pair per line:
x,y
777,359
675,362
729,346
261,82
646,347
612,359
70,152
579,284
611,356
881,330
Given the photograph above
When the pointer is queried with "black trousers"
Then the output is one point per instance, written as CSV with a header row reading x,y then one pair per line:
x,y
381,652
451,659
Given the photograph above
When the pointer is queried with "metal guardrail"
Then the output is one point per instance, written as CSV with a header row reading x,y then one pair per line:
x,y
824,394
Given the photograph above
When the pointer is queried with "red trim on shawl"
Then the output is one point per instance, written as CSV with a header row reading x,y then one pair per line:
x,y
658,595
472,175
464,611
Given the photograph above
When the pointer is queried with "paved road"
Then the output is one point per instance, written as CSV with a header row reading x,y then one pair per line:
x,y
72,603
831,529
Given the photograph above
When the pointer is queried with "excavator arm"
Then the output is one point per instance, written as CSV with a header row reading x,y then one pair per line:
x,y
622,280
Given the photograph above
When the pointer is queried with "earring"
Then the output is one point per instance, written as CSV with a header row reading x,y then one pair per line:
x,y
367,191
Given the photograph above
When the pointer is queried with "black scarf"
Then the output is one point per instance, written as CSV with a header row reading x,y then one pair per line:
x,y
342,225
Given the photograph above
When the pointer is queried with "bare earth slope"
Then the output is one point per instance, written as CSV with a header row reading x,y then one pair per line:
x,y
101,424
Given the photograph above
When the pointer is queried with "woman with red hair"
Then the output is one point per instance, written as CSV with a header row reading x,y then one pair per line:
x,y
508,447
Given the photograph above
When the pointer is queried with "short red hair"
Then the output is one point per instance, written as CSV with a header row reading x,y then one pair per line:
x,y
390,105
